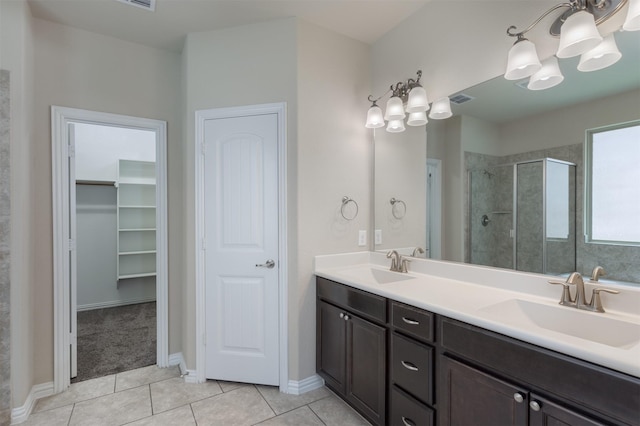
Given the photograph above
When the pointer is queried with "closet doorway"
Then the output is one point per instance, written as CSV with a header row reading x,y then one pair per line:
x,y
109,244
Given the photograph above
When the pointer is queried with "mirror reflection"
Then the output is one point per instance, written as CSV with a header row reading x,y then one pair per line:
x,y
502,183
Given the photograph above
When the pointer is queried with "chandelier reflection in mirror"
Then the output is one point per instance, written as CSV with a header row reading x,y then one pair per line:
x,y
412,94
579,35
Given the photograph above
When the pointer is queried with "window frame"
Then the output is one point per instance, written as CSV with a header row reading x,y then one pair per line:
x,y
588,183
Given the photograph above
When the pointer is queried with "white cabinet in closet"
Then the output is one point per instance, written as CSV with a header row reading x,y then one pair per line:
x,y
136,219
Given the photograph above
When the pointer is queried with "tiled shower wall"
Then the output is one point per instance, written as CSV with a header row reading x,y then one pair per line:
x,y
5,361
620,262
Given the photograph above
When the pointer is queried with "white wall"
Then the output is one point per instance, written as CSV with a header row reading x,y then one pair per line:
x,y
246,65
79,69
16,56
98,149
334,159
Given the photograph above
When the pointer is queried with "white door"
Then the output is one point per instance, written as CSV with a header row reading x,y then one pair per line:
x,y
73,258
241,249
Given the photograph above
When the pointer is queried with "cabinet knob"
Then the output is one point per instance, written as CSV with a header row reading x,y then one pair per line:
x,y
535,405
518,397
346,317
341,314
407,421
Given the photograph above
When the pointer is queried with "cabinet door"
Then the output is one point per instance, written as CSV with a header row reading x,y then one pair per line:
x,y
331,346
476,398
546,413
366,368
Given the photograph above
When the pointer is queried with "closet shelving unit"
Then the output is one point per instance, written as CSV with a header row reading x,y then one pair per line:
x,y
136,219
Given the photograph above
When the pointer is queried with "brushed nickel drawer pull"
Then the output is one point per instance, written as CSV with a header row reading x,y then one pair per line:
x,y
407,421
409,366
410,321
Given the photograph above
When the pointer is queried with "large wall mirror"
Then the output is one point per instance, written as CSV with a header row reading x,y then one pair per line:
x,y
502,182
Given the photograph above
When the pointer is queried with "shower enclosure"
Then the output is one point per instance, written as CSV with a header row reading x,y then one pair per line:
x,y
522,216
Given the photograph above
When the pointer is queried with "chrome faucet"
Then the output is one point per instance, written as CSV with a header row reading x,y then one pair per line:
x,y
580,301
395,260
416,251
598,272
398,263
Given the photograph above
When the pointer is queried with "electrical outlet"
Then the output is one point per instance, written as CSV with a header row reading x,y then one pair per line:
x,y
378,236
362,238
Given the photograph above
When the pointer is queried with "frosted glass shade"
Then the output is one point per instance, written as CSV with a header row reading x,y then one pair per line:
x,y
578,35
632,22
440,109
548,76
522,61
395,110
395,126
601,56
417,101
417,118
374,118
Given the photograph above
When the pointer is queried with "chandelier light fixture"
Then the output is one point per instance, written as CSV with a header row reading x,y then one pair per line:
x,y
579,35
406,98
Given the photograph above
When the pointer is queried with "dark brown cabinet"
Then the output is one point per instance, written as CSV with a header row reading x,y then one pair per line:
x,y
351,352
447,372
478,398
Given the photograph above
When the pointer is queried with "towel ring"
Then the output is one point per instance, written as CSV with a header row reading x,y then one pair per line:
x,y
394,203
346,200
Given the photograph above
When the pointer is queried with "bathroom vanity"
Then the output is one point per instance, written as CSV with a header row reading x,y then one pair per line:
x,y
467,358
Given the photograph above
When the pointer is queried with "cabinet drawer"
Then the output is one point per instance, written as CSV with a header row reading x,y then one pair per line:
x,y
412,367
412,321
369,305
406,411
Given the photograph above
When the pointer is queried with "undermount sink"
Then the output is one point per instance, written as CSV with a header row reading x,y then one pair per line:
x,y
378,276
585,325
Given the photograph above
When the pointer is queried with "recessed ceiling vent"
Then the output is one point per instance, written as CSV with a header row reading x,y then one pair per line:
x,y
461,98
143,4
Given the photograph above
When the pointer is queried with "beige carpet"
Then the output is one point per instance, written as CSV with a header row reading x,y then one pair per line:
x,y
113,340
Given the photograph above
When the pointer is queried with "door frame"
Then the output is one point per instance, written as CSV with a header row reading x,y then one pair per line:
x,y
60,119
434,223
280,109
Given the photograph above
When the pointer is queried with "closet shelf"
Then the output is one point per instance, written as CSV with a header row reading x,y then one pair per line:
x,y
148,182
131,253
141,275
136,248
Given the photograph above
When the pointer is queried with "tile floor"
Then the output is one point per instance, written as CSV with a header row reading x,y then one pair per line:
x,y
156,396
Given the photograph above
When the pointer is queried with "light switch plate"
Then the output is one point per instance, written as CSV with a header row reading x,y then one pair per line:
x,y
378,236
362,238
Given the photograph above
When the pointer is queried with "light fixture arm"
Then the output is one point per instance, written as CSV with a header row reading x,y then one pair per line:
x,y
401,89
511,30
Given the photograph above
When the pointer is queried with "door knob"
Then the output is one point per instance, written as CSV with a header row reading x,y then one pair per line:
x,y
269,264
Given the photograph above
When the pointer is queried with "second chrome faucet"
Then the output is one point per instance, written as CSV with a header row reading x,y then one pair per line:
x,y
580,300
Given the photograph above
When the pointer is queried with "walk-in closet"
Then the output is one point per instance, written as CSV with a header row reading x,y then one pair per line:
x,y
115,220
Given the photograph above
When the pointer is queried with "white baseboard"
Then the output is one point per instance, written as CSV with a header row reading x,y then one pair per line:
x,y
190,376
20,414
114,303
298,387
178,359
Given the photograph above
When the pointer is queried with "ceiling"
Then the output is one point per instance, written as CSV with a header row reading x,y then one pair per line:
x,y
166,28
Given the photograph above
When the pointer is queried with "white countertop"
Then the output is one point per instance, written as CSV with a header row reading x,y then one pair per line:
x,y
468,293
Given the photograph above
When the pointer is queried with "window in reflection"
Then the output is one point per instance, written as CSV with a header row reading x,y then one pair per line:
x,y
613,184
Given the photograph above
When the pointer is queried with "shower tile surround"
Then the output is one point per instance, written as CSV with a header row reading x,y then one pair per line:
x,y
620,262
5,360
